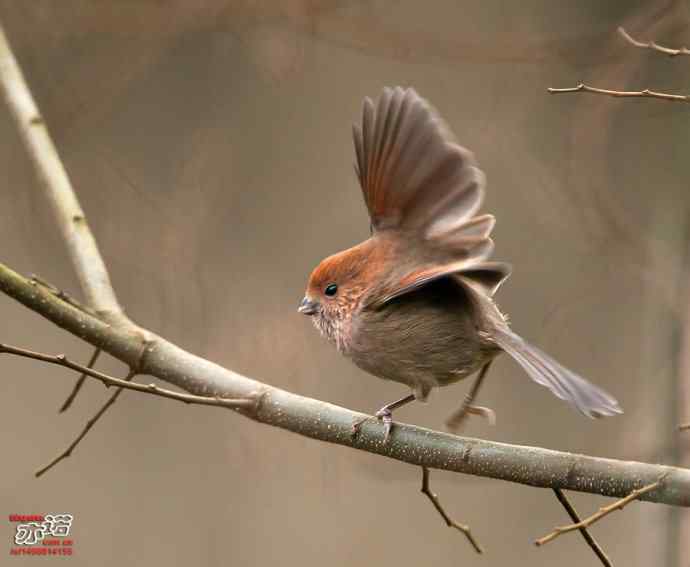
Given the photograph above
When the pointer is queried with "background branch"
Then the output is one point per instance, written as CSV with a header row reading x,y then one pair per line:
x,y
81,245
624,94
652,45
320,420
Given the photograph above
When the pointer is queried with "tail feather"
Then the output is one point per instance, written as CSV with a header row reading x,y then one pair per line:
x,y
587,398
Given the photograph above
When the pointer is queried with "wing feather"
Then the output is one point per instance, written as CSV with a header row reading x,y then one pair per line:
x,y
414,176
418,180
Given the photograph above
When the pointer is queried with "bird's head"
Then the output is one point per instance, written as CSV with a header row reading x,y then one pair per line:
x,y
337,287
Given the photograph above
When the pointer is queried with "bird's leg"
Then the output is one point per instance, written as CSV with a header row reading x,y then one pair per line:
x,y
467,407
385,415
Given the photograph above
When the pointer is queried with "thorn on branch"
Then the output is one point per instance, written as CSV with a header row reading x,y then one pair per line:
x,y
646,93
652,45
60,294
447,519
617,505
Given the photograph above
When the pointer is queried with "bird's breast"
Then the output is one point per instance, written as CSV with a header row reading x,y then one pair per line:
x,y
429,336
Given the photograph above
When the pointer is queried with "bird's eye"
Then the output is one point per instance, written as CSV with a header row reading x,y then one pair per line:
x,y
331,289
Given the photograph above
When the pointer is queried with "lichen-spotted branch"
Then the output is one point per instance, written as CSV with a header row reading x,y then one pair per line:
x,y
326,422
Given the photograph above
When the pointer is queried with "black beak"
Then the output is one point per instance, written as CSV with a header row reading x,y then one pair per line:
x,y
308,307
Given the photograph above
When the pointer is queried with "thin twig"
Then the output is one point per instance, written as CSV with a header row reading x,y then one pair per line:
x,y
61,360
617,505
87,427
598,551
88,263
133,371
652,45
80,382
684,427
446,518
629,94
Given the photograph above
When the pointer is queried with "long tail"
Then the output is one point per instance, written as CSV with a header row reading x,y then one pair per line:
x,y
565,384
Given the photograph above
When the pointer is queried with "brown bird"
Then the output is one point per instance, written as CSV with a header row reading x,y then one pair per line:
x,y
414,303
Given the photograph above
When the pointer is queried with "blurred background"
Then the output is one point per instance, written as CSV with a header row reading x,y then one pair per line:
x,y
209,143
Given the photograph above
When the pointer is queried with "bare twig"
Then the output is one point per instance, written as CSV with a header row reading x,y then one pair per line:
x,y
598,551
652,45
626,94
87,427
684,427
80,382
446,518
316,419
91,271
62,360
133,371
617,505
69,299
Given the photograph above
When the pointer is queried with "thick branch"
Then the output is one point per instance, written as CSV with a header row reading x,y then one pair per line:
x,y
82,247
326,422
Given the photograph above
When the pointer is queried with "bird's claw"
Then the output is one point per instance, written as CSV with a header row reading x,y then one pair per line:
x,y
384,415
486,413
455,421
357,425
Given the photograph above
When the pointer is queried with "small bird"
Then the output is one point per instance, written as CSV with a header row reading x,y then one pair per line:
x,y
414,302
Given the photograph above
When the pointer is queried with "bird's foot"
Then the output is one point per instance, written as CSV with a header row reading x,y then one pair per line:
x,y
384,415
486,413
454,422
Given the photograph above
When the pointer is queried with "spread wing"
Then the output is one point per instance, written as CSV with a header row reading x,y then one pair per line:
x,y
418,180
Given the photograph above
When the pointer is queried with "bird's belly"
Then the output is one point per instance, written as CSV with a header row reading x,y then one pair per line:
x,y
421,343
